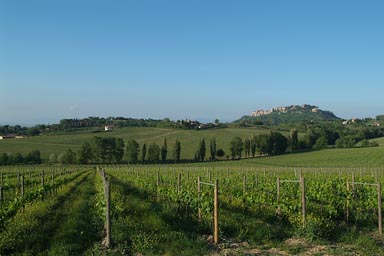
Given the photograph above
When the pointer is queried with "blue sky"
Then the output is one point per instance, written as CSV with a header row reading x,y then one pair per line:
x,y
188,59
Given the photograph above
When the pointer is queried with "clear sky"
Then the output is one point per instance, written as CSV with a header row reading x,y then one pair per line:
x,y
180,59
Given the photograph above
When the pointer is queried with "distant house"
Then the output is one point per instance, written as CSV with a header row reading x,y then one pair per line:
x,y
8,136
352,121
376,124
108,128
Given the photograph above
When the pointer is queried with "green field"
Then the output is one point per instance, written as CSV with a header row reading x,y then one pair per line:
x,y
157,219
353,157
154,211
189,139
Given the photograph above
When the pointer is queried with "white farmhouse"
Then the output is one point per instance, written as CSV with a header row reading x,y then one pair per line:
x,y
108,128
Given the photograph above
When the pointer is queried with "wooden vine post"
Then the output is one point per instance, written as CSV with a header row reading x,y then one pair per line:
x,y
107,241
353,182
216,213
215,206
157,184
379,209
347,210
22,190
42,183
22,185
303,202
179,183
278,196
199,197
179,191
244,189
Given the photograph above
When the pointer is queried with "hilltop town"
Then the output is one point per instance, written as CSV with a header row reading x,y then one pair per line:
x,y
292,108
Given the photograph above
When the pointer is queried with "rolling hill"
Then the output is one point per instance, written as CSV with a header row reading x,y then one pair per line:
x,y
288,114
353,157
189,139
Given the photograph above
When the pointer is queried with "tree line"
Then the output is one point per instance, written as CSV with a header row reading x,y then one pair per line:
x,y
114,150
107,150
32,157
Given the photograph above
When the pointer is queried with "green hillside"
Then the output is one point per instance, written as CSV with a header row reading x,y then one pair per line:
x,y
189,139
353,157
339,158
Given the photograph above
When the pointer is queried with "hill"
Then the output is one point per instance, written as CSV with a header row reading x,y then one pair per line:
x,y
353,157
189,139
288,114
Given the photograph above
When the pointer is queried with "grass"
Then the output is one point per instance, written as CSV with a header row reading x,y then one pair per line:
x,y
372,157
140,225
62,224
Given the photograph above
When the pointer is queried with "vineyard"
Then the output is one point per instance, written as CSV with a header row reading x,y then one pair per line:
x,y
124,210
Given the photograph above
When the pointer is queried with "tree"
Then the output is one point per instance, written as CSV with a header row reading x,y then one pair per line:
x,y
153,153
176,151
265,144
85,153
60,158
109,147
201,151
17,158
212,148
236,147
321,143
220,153
279,143
53,158
311,137
119,150
99,151
164,151
33,132
364,143
68,157
253,145
294,140
196,157
33,157
143,152
132,151
346,142
4,159
247,147
107,150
